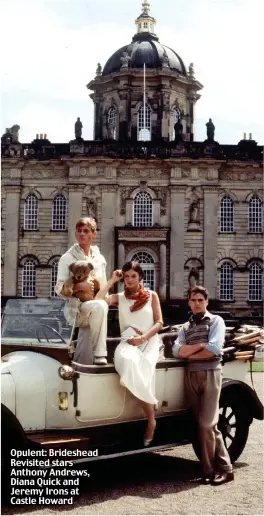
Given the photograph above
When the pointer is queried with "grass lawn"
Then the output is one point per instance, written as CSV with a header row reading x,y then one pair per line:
x,y
257,367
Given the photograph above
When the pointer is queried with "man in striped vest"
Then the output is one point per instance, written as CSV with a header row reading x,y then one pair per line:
x,y
200,343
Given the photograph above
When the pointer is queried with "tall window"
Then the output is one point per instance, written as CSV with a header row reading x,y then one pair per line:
x,y
54,272
59,213
142,209
255,282
31,213
29,279
147,263
227,215
112,123
144,123
175,117
226,282
255,215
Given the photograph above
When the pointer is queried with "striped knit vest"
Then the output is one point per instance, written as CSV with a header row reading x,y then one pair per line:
x,y
199,334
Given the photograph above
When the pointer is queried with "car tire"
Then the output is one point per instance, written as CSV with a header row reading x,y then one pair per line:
x,y
233,422
12,436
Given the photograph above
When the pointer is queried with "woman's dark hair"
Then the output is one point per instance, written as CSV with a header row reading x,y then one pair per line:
x,y
134,266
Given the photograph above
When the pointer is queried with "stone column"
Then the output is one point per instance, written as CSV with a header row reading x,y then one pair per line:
x,y
177,242
121,255
121,261
156,211
129,211
13,195
108,222
74,210
163,262
210,239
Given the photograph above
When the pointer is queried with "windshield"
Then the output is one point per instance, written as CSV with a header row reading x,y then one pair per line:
x,y
36,321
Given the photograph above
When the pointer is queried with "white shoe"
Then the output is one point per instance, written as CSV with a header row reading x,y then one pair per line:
x,y
100,361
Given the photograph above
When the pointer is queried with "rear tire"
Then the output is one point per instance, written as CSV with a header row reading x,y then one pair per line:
x,y
12,436
233,423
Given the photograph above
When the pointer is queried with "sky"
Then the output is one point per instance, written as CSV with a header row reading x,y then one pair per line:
x,y
52,47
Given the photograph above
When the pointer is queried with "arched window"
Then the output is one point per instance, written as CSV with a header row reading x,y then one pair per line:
x,y
111,122
227,215
31,213
144,123
226,282
142,210
59,213
147,263
255,215
255,282
175,117
29,278
53,279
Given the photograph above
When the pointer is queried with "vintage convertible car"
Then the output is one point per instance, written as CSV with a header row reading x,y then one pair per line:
x,y
46,403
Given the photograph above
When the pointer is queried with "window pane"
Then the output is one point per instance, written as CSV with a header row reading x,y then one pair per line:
x,y
255,215
54,272
29,279
31,213
227,215
226,282
144,130
59,213
147,263
142,210
255,282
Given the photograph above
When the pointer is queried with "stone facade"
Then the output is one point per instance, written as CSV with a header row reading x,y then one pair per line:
x,y
176,243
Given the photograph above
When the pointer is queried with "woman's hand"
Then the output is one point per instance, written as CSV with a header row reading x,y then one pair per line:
x,y
117,276
136,341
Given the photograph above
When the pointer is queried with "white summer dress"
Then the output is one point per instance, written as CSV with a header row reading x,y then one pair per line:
x,y
136,364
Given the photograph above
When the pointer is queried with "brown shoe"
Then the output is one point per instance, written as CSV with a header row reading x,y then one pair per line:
x,y
223,478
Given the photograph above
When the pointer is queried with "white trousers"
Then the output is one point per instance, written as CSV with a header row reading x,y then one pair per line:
x,y
93,332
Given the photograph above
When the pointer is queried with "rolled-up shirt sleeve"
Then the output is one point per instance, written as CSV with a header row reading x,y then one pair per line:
x,y
178,343
216,337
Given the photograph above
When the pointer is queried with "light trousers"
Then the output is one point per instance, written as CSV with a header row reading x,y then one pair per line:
x,y
203,389
92,332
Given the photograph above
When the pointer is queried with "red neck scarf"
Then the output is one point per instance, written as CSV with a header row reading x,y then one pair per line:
x,y
141,297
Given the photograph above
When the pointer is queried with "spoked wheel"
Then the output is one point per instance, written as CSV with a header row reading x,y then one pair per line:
x,y
233,423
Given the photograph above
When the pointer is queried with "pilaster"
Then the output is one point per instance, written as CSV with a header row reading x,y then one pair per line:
x,y
177,242
162,283
75,210
109,200
210,239
13,195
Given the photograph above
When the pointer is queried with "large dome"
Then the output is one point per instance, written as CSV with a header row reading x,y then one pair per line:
x,y
145,48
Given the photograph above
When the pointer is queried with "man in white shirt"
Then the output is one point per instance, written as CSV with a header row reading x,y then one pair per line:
x,y
89,316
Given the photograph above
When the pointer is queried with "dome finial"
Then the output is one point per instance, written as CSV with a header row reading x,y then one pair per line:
x,y
145,22
146,7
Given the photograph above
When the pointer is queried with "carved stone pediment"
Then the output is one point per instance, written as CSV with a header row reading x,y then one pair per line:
x,y
138,234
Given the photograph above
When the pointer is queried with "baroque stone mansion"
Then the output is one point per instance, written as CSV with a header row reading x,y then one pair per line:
x,y
188,211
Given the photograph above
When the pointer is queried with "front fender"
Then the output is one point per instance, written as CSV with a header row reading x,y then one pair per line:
x,y
246,394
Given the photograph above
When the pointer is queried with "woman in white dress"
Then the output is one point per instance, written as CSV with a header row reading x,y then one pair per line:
x,y
140,320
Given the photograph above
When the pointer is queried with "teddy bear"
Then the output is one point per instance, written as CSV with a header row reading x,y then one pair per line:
x,y
80,271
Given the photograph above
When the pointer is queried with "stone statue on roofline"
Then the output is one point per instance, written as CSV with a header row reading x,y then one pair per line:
x,y
78,128
178,128
210,129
